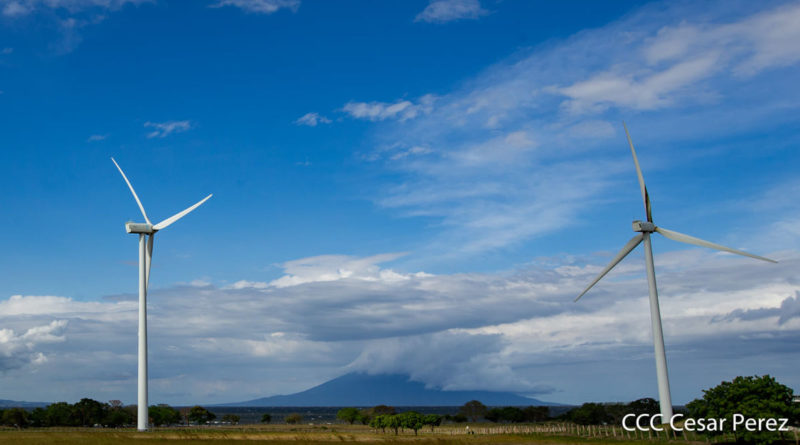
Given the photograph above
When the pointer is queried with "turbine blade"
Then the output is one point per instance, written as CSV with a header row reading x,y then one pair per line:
x,y
680,237
642,187
622,254
180,215
132,191
148,259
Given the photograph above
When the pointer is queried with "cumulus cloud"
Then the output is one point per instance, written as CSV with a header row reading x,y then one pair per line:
x,y
443,11
400,110
260,6
164,129
18,350
312,119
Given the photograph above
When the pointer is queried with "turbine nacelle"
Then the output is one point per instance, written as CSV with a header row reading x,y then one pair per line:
x,y
643,226
145,228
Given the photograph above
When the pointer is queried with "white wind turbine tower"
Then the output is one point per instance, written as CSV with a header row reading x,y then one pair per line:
x,y
645,229
146,230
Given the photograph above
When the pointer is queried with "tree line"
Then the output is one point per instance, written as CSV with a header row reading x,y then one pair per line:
x,y
91,413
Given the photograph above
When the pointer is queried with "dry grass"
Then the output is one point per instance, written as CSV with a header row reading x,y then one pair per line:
x,y
289,435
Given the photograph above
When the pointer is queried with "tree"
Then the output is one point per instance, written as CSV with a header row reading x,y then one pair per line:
x,y
200,415
753,397
185,414
473,410
615,412
411,420
507,414
644,406
89,412
377,422
349,415
536,413
16,417
432,420
588,414
458,418
164,415
266,418
294,418
382,409
59,414
392,421
233,419
118,416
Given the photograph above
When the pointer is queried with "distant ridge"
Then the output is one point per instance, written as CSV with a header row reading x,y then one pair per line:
x,y
16,404
358,389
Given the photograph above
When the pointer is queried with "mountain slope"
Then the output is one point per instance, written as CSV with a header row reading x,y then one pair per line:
x,y
357,389
18,404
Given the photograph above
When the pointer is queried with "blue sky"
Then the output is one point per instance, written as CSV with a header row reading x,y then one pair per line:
x,y
394,182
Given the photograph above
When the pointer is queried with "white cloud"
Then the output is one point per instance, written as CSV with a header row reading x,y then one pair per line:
x,y
17,350
164,129
534,143
678,57
333,314
68,16
312,119
337,267
97,137
413,151
14,8
442,11
244,284
400,110
260,6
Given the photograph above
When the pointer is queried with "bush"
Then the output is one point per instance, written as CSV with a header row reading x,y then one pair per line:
x,y
266,418
233,419
294,418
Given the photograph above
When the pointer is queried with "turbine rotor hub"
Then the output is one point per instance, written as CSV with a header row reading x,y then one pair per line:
x,y
644,226
132,227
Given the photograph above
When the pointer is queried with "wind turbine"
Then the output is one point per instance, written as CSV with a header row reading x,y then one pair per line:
x,y
645,229
146,232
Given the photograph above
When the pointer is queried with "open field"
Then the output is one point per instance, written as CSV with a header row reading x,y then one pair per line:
x,y
319,434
